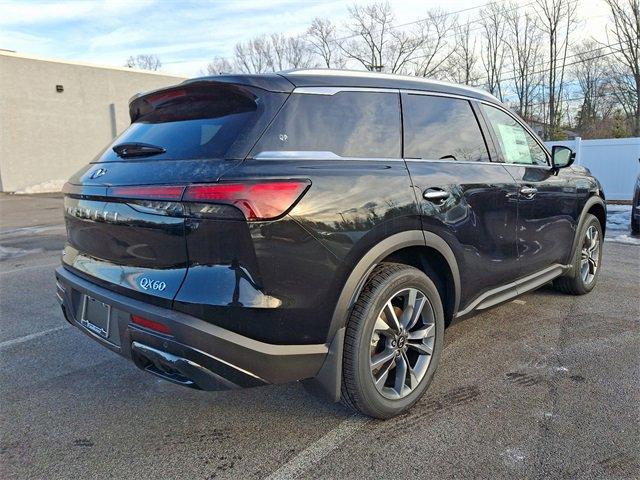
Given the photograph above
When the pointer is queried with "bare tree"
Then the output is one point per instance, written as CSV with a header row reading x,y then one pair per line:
x,y
492,19
403,49
321,37
254,56
591,72
379,46
625,32
461,66
273,53
145,62
434,49
524,47
298,53
219,66
370,27
557,19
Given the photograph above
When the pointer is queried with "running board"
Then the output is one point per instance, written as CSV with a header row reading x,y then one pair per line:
x,y
511,290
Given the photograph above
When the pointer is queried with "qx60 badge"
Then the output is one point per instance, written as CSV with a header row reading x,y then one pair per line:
x,y
149,284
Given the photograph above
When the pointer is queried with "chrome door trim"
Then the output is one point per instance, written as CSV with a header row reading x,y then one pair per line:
x,y
464,162
435,195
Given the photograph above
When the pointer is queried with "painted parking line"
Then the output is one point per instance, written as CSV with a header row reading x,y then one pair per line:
x,y
33,336
318,450
32,267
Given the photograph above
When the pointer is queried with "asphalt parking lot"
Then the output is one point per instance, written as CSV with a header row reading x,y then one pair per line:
x,y
546,386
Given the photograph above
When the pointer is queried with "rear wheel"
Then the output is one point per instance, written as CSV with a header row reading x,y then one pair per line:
x,y
393,341
635,220
586,260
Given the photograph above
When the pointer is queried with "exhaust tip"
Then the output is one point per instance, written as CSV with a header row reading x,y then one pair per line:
x,y
177,369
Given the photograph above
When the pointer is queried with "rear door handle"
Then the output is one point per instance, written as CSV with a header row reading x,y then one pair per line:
x,y
435,196
528,191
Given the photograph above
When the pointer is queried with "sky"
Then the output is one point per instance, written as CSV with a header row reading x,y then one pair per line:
x,y
187,34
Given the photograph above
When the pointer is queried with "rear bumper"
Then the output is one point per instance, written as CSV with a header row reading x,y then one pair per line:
x,y
196,354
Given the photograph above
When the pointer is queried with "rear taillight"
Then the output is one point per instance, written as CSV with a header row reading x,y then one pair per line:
x,y
264,200
258,201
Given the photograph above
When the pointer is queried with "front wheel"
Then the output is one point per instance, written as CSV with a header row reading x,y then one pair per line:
x,y
393,341
586,262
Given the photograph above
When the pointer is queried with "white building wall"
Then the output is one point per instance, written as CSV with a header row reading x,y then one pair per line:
x,y
46,135
613,161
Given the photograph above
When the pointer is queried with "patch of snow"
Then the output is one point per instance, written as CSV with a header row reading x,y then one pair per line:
x,y
624,238
618,217
619,225
44,187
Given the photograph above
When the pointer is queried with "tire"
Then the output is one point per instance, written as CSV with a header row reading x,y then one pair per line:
x,y
575,282
635,222
368,340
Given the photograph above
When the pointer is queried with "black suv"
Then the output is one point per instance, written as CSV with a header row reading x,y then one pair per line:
x,y
323,226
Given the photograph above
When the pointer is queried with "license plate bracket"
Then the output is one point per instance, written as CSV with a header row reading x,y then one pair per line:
x,y
95,316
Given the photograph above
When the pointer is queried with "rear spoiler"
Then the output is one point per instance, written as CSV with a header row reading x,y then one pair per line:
x,y
270,82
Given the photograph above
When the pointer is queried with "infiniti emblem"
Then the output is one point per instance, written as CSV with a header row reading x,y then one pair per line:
x,y
98,173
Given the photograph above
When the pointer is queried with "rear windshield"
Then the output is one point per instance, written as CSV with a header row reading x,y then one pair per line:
x,y
198,121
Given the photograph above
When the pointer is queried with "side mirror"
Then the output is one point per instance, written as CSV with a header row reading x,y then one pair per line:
x,y
562,156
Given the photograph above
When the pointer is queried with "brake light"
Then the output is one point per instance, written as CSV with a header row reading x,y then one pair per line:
x,y
162,97
258,201
150,324
150,192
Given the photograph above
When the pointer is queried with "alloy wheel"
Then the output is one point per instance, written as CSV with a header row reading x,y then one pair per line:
x,y
590,255
402,343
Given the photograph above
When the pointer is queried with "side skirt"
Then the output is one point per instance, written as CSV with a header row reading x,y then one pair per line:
x,y
511,290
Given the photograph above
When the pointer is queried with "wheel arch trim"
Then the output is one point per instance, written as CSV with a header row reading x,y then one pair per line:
x,y
359,274
591,201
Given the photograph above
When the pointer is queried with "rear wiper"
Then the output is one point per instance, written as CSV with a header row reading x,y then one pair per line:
x,y
135,149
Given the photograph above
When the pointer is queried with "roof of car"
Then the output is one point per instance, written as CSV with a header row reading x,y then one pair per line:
x,y
288,80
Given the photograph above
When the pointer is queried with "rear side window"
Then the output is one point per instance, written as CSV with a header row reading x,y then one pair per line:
x,y
441,128
199,121
348,124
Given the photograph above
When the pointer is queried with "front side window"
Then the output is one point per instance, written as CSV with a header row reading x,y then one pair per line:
x,y
517,145
441,128
348,124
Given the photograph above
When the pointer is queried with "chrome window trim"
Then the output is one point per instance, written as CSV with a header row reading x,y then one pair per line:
x,y
333,90
314,155
440,94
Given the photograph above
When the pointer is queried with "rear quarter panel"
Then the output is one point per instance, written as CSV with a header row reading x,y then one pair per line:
x,y
299,263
